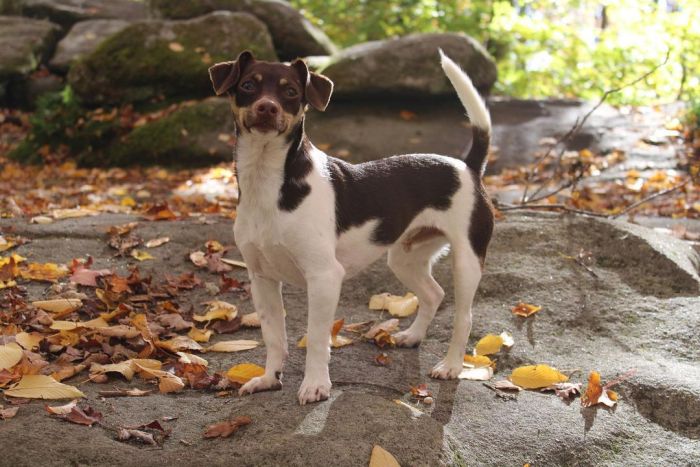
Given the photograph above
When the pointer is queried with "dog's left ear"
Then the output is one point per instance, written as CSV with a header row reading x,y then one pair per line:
x,y
317,88
225,75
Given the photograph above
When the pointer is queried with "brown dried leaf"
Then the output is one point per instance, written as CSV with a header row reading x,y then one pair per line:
x,y
226,428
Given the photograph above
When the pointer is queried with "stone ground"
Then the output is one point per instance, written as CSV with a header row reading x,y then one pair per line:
x,y
643,312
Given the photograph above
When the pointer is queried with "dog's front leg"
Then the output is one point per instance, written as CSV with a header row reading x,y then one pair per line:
x,y
267,298
323,285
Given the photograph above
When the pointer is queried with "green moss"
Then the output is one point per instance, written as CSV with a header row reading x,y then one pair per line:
x,y
172,141
139,63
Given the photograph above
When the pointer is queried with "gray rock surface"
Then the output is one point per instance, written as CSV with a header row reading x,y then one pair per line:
x,y
408,66
68,12
293,35
642,311
82,39
25,44
166,58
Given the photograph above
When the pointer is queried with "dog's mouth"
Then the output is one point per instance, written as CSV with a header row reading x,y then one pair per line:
x,y
264,125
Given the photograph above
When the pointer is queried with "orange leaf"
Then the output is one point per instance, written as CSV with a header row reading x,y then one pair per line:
x,y
525,309
244,372
593,390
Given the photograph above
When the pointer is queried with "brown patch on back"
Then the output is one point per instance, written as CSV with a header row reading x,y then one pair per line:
x,y
420,235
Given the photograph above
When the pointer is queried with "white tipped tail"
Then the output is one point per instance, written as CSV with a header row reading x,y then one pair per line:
x,y
476,110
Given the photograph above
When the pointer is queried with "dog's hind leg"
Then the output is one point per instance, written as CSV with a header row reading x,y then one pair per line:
x,y
413,267
466,270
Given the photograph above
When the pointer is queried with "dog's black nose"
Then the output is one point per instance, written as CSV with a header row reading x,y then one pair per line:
x,y
267,107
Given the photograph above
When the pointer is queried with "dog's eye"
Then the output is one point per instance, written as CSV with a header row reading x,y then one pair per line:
x,y
291,92
248,86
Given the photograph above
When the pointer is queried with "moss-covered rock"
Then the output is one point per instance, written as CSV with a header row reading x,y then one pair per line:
x,y
293,35
83,39
26,43
408,66
189,136
166,58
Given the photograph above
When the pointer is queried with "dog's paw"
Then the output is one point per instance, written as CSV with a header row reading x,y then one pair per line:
x,y
260,383
446,370
314,390
407,338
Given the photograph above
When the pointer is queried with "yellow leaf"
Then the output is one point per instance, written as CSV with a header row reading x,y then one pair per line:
x,y
232,346
525,309
141,255
7,284
218,309
536,376
43,387
200,335
59,305
126,369
128,201
478,361
244,372
189,358
10,355
491,343
50,272
29,340
394,304
179,343
382,458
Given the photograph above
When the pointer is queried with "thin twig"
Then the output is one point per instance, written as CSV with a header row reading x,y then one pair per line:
x,y
578,125
549,207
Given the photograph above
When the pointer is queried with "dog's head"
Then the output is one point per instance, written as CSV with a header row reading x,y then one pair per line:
x,y
269,97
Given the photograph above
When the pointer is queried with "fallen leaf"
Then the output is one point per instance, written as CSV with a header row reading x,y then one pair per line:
x,y
594,390
505,385
61,409
198,259
10,355
133,392
29,341
156,242
43,387
478,361
226,428
565,391
6,414
200,335
388,326
536,376
421,391
395,305
250,320
189,358
49,272
525,309
125,368
476,374
176,47
125,434
233,346
382,359
244,372
167,382
234,262
179,343
414,411
491,343
382,458
141,255
60,306
335,341
217,309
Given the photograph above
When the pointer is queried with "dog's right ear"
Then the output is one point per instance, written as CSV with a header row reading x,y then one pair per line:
x,y
225,75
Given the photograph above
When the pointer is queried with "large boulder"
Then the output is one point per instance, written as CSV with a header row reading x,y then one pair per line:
x,y
83,39
68,12
194,135
25,44
166,58
408,66
293,35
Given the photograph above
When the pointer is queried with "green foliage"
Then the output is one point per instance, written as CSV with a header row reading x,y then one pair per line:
x,y
61,124
546,48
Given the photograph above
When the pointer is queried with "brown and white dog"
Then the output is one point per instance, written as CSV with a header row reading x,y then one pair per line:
x,y
308,219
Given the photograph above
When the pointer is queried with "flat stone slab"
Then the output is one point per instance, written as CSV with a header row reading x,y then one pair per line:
x,y
641,311
68,12
25,43
82,39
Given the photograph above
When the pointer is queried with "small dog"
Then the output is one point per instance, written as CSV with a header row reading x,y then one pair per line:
x,y
311,220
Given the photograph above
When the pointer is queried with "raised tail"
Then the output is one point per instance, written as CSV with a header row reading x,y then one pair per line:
x,y
476,110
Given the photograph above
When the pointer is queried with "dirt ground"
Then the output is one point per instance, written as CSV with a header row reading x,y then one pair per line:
x,y
642,311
